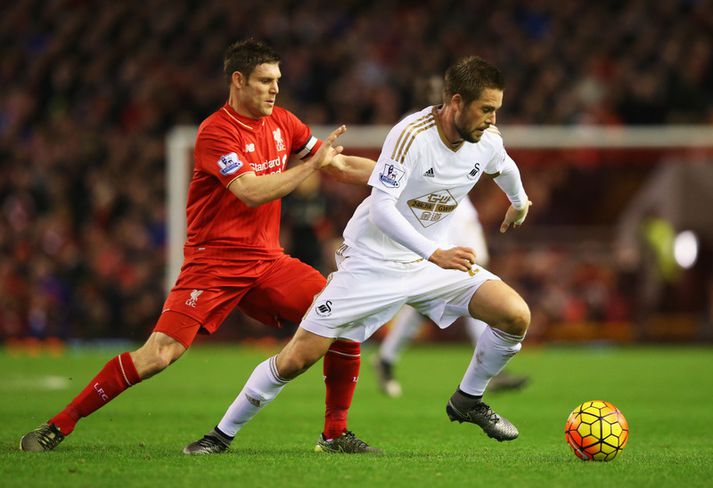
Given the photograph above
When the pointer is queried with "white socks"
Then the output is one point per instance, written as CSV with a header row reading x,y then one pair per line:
x,y
406,325
474,328
261,388
494,350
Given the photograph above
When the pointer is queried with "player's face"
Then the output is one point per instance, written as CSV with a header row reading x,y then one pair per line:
x,y
259,92
472,119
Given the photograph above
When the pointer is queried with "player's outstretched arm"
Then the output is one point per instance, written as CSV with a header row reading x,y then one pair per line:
x,y
508,179
328,151
350,169
255,190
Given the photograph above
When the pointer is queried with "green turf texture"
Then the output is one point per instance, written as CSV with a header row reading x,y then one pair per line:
x,y
666,394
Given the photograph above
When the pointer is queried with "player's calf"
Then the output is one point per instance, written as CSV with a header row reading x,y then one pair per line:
x,y
516,318
303,350
385,375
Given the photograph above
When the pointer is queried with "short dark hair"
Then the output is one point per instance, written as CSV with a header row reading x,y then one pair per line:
x,y
244,56
469,77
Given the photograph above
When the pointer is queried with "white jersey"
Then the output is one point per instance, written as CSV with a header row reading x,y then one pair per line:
x,y
428,178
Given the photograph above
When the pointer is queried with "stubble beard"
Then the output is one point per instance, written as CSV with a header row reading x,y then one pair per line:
x,y
466,136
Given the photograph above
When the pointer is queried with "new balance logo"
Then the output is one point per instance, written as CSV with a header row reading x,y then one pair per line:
x,y
429,173
249,148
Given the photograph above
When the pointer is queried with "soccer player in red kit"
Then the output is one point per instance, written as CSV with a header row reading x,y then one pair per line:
x,y
232,255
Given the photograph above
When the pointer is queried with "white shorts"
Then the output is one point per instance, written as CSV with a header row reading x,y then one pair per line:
x,y
365,293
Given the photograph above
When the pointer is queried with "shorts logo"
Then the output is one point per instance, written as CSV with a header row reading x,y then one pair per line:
x,y
325,309
229,164
193,301
392,176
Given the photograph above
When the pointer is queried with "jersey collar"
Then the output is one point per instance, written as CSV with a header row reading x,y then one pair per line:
x,y
245,122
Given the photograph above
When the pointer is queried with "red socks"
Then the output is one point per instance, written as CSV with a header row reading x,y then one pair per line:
x,y
116,376
341,372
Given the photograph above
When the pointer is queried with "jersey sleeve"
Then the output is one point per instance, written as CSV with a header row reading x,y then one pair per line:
x,y
395,162
495,164
503,169
304,144
219,154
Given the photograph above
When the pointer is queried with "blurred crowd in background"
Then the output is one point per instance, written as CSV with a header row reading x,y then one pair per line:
x,y
89,90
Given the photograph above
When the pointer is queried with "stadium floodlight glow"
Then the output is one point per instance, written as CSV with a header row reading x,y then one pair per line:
x,y
685,249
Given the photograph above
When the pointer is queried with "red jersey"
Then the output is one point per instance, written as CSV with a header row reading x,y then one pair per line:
x,y
227,146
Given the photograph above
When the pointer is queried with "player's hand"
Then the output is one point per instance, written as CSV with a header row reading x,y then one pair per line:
x,y
460,258
514,217
328,150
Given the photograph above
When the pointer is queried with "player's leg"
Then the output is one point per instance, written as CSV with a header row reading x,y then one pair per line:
x,y
499,305
318,330
286,292
474,328
340,370
403,329
264,384
120,373
508,315
504,381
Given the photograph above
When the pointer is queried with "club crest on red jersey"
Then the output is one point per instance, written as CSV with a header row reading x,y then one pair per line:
x,y
279,143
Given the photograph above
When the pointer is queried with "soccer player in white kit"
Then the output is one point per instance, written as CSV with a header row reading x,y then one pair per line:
x,y
464,230
394,253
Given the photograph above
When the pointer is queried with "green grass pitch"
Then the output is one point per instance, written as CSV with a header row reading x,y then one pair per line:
x,y
666,394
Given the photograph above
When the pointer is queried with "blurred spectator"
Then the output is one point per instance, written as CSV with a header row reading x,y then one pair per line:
x,y
90,88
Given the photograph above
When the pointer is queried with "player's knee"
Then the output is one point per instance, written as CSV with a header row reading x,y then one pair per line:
x,y
294,365
301,353
518,318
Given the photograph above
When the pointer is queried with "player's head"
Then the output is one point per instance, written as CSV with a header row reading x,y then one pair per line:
x,y
252,70
475,88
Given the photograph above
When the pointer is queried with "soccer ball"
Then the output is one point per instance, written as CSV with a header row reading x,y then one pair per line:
x,y
596,431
